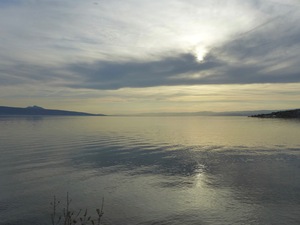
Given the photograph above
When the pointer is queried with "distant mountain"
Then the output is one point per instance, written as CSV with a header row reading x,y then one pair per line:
x,y
39,111
295,113
207,113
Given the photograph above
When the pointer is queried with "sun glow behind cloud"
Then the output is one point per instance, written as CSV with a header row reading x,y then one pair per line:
x,y
200,54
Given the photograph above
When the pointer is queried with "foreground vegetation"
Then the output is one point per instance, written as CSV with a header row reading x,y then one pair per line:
x,y
65,216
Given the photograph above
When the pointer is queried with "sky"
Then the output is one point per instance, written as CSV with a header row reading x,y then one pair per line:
x,y
141,56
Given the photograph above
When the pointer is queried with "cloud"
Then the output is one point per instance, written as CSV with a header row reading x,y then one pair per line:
x,y
267,53
114,75
69,31
108,46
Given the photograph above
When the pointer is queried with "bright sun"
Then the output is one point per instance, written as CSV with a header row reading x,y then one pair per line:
x,y
200,54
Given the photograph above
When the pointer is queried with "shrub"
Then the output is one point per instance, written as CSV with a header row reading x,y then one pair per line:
x,y
71,217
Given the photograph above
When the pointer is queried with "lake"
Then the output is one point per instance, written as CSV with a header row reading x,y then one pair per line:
x,y
152,170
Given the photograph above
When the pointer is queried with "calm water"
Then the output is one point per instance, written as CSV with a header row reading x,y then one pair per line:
x,y
152,170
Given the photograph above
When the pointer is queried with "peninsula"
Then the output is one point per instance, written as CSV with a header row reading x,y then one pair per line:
x,y
39,111
295,113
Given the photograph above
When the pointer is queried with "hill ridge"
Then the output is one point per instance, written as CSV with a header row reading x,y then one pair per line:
x,y
40,111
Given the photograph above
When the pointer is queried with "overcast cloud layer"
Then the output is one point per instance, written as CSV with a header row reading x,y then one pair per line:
x,y
108,45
